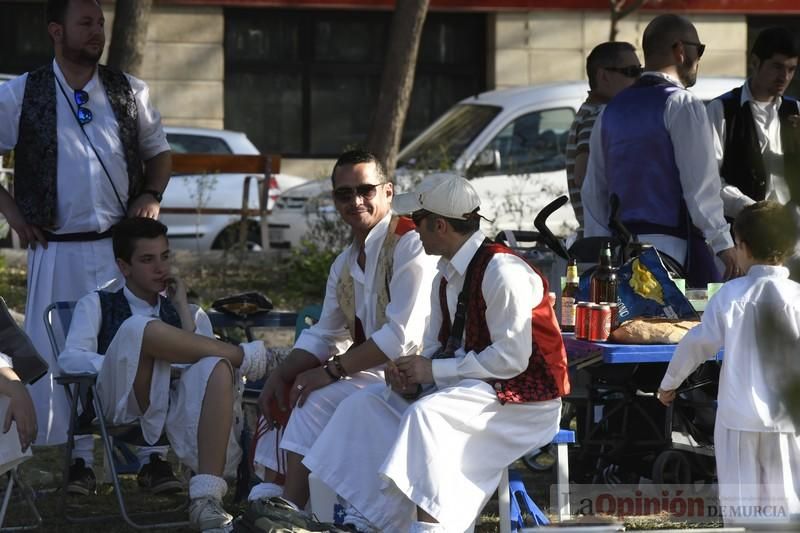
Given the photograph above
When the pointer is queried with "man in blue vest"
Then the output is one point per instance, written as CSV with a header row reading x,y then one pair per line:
x,y
89,150
133,336
652,147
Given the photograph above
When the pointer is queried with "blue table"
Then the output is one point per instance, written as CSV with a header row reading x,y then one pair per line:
x,y
581,353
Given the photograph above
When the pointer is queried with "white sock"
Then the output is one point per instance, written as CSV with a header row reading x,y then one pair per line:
x,y
254,363
84,449
207,486
143,453
426,527
265,490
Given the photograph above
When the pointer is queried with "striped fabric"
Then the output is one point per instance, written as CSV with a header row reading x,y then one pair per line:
x,y
578,142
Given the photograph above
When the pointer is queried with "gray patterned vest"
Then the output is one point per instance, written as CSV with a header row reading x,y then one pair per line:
x,y
36,153
115,309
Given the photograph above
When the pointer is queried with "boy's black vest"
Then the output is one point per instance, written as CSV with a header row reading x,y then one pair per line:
x,y
115,309
742,165
36,153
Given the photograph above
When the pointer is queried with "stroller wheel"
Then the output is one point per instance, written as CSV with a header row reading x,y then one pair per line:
x,y
672,467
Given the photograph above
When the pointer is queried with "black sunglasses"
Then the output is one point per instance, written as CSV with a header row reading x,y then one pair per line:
x,y
700,47
631,71
84,114
346,194
418,216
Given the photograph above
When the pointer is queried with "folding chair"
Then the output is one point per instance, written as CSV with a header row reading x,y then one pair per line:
x,y
83,387
26,493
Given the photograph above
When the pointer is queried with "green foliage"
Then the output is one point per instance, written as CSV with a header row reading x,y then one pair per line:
x,y
306,271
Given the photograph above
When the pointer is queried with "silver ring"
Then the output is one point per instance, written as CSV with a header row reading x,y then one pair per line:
x,y
300,387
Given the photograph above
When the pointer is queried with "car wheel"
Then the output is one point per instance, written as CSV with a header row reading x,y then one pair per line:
x,y
228,239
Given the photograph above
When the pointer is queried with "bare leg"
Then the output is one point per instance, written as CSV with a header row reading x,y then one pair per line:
x,y
164,342
216,418
296,488
422,516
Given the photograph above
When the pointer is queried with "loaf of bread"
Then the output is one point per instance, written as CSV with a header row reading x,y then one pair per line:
x,y
651,331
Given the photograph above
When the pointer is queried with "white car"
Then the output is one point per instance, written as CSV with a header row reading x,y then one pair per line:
x,y
211,231
510,143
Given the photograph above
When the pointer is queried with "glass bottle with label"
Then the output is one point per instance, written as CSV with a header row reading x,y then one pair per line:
x,y
603,282
569,298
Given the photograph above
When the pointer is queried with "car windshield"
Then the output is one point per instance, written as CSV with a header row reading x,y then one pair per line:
x,y
182,143
441,146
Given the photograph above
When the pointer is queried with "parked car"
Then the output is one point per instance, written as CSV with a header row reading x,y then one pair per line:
x,y
212,231
510,143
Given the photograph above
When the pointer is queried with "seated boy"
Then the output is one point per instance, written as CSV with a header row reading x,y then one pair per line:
x,y
132,337
756,319
18,410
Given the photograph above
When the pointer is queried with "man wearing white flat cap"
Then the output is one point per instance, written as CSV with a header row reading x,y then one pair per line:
x,y
427,451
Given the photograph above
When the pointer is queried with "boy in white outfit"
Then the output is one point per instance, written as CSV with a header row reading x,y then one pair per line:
x,y
132,337
756,319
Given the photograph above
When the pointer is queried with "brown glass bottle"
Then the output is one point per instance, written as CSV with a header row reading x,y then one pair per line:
x,y
603,282
569,298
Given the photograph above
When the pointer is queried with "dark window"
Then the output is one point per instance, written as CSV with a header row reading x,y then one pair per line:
x,y
197,144
306,83
24,41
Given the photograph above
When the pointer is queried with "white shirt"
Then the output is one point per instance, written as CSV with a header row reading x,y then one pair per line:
x,y
408,309
687,123
85,198
756,318
80,350
5,361
511,290
768,130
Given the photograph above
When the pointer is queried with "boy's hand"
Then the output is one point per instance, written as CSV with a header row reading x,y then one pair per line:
x,y
176,291
665,396
21,411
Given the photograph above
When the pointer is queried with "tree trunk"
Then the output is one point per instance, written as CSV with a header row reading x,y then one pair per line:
x,y
619,12
397,81
129,35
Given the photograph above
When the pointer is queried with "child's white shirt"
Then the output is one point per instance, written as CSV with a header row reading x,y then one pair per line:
x,y
756,319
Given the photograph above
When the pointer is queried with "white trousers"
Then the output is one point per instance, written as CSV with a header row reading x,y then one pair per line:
x,y
444,453
65,271
307,422
175,406
757,469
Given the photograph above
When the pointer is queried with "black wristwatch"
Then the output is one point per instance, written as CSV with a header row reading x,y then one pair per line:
x,y
154,193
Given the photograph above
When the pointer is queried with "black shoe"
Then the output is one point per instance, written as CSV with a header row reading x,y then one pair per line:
x,y
81,479
157,477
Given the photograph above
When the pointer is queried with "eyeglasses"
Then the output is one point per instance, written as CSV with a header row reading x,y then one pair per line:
x,y
365,191
418,216
700,47
631,71
84,114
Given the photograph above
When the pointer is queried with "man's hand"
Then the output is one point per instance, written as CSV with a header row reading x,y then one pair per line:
x,y
417,370
665,396
28,233
21,411
307,382
732,269
144,206
396,379
274,390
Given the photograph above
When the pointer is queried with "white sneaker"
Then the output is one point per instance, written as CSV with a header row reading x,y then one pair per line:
x,y
206,514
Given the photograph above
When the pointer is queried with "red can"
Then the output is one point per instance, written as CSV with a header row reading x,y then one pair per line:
x,y
614,315
581,321
599,323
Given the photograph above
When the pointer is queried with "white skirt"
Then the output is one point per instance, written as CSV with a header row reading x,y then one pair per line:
x,y
444,452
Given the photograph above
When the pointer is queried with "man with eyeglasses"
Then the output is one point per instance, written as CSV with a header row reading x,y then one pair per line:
x,y
755,126
610,67
652,148
377,301
89,150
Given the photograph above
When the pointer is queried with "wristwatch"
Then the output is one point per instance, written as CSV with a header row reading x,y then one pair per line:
x,y
154,193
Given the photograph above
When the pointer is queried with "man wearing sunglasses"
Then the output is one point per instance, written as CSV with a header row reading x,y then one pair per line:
x,y
89,151
652,148
377,302
610,67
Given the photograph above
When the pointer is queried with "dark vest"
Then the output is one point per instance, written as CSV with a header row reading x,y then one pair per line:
x,y
115,309
36,153
545,378
640,159
742,163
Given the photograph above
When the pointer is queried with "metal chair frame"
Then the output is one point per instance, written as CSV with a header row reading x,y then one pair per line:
x,y
25,490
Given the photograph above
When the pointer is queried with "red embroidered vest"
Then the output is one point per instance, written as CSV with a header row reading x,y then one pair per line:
x,y
546,376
